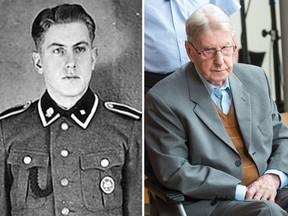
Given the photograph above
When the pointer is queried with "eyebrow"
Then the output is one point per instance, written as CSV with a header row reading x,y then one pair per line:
x,y
226,44
55,44
81,43
62,45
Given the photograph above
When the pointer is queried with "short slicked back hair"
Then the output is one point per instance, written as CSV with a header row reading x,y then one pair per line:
x,y
61,14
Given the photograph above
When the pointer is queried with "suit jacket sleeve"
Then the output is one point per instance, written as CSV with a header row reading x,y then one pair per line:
x,y
279,156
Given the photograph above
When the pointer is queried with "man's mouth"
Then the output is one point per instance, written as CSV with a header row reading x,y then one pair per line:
x,y
70,77
218,70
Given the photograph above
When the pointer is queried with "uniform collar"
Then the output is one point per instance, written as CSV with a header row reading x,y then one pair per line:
x,y
81,113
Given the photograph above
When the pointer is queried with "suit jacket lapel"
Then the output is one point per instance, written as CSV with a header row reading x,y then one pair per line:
x,y
242,104
205,108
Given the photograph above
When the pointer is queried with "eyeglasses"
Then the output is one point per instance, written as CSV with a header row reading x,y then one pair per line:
x,y
211,53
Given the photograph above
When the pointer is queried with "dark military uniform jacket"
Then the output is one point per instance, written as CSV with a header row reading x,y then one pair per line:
x,y
82,162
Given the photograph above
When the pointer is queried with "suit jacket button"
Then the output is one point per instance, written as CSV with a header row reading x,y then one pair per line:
x,y
238,163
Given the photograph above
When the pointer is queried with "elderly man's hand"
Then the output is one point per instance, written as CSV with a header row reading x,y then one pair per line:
x,y
264,188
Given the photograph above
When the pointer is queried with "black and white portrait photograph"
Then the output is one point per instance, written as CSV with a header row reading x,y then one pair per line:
x,y
71,107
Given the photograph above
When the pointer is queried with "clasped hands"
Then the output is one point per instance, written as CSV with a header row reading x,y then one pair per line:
x,y
264,188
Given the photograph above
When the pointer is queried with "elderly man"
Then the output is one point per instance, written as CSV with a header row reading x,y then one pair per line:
x,y
69,153
212,130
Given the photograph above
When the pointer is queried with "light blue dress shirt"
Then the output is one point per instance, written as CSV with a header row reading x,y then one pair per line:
x,y
226,103
164,31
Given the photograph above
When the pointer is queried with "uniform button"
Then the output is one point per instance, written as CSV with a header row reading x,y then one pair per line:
x,y
105,162
64,153
65,211
64,126
238,163
27,160
64,182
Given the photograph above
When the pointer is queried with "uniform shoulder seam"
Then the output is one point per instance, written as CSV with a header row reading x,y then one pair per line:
x,y
15,110
123,109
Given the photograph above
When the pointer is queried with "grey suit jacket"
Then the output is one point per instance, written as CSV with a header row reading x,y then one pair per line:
x,y
189,148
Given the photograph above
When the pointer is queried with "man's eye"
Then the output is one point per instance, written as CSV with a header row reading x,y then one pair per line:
x,y
58,51
225,48
209,51
80,49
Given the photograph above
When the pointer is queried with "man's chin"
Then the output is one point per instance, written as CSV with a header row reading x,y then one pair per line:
x,y
68,93
74,93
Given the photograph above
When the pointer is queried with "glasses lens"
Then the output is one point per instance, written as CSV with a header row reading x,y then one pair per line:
x,y
227,51
209,53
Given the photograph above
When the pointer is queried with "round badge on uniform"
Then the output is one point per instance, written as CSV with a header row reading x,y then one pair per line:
x,y
107,185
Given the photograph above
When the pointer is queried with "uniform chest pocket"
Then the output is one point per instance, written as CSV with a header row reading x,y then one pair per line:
x,y
20,163
101,176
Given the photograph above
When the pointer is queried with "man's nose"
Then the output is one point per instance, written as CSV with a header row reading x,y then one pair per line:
x,y
219,58
70,61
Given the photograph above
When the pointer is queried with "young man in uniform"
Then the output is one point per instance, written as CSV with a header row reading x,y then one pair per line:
x,y
69,153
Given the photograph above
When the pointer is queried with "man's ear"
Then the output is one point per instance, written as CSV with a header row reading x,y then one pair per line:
x,y
94,57
189,51
37,62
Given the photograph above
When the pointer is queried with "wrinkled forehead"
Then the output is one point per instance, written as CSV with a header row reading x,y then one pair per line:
x,y
214,38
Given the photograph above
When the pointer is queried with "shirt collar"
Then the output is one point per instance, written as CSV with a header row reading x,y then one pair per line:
x,y
81,113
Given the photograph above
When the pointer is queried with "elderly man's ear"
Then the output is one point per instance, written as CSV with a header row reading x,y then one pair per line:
x,y
189,51
37,62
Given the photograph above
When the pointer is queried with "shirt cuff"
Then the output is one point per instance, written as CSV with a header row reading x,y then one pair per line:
x,y
240,192
282,176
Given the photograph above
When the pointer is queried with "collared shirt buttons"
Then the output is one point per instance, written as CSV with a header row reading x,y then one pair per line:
x,y
64,126
64,153
65,211
27,160
238,163
64,182
105,162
